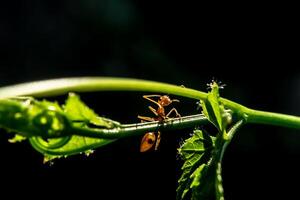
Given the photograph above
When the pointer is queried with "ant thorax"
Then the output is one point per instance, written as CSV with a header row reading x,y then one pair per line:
x,y
161,112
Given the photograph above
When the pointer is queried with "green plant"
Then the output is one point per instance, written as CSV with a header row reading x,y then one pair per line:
x,y
63,130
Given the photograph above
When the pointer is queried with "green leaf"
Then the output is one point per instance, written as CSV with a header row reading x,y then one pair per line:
x,y
211,107
196,175
192,146
76,145
17,138
81,115
202,185
196,152
76,110
203,154
29,117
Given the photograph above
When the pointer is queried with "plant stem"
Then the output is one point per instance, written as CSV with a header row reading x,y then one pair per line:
x,y
126,130
92,84
262,117
230,133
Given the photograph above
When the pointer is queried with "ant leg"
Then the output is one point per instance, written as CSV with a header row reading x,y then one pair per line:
x,y
147,119
152,95
157,142
153,110
173,110
149,99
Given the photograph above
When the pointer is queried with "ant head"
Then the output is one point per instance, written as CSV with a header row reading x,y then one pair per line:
x,y
165,100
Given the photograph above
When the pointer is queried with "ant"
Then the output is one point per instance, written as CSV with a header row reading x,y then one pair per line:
x,y
150,138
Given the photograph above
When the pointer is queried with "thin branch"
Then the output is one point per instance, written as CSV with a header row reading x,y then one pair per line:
x,y
126,130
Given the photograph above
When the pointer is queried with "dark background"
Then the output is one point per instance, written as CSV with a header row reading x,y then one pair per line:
x,y
253,48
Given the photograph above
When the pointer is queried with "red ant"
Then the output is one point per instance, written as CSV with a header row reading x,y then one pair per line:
x,y
150,138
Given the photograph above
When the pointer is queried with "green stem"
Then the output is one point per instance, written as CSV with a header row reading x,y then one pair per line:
x,y
262,117
230,133
92,84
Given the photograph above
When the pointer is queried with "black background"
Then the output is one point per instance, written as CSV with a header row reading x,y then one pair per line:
x,y
253,48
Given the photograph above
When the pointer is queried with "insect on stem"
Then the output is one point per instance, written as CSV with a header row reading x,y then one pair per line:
x,y
151,139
